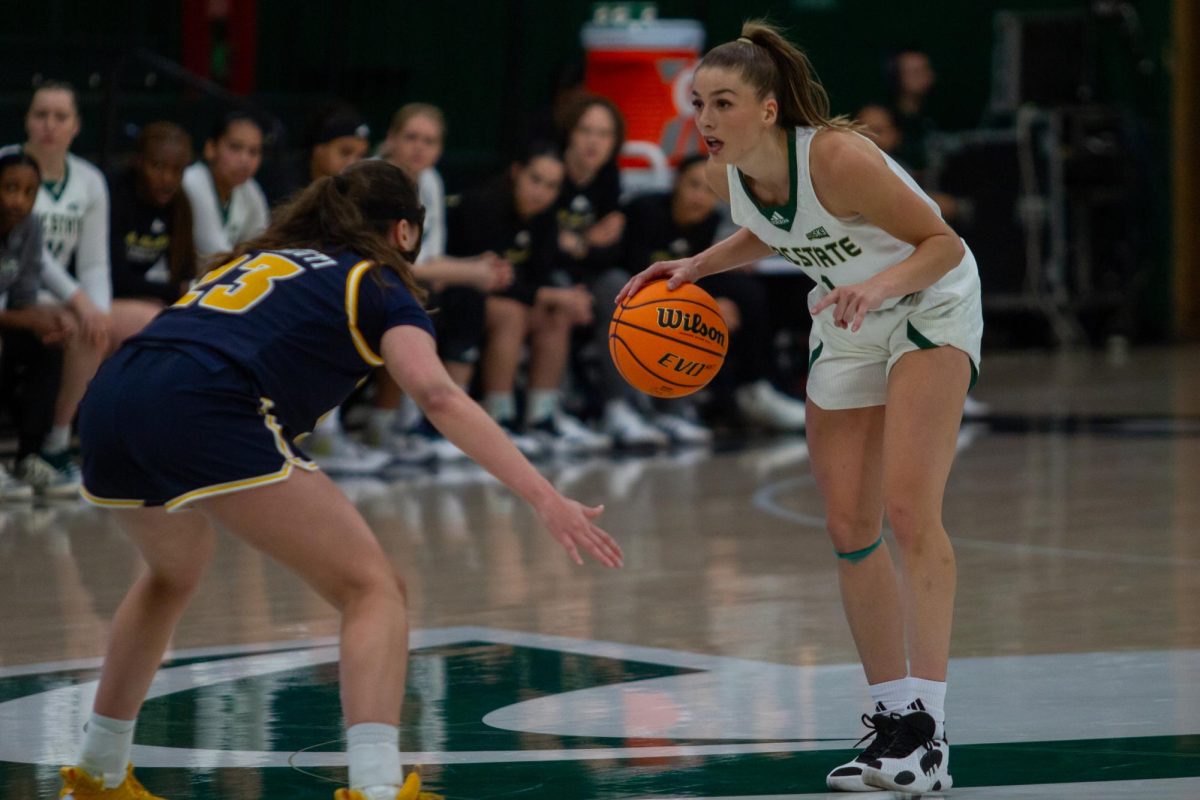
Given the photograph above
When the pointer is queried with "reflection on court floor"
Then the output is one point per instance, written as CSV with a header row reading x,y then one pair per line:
x,y
494,713
717,664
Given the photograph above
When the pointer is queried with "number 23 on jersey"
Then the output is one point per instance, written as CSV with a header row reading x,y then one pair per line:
x,y
257,278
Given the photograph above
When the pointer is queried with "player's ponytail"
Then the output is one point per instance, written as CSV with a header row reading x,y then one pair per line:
x,y
774,66
352,211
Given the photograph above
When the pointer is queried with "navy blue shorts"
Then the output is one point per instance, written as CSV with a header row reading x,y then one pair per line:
x,y
165,426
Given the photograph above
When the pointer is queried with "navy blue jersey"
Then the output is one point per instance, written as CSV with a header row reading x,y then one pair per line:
x,y
305,325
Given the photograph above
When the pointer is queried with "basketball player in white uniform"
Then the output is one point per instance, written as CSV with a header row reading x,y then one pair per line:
x,y
894,348
72,204
228,205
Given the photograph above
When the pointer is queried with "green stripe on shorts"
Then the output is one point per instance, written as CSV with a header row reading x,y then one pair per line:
x,y
918,338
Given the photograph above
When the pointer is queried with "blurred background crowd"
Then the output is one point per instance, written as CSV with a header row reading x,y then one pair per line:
x,y
555,155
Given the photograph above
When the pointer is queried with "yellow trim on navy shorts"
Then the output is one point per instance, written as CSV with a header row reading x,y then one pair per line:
x,y
109,502
281,443
291,462
227,488
353,279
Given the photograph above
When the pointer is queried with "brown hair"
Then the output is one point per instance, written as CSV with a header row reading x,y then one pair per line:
x,y
773,65
349,211
57,86
567,116
181,255
409,111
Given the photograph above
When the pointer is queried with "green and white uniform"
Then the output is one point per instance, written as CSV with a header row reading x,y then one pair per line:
x,y
218,228
849,370
74,216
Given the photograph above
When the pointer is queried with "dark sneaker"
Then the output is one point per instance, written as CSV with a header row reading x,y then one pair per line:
x,y
849,776
914,761
51,475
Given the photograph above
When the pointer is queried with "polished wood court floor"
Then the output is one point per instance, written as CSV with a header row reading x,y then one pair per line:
x,y
717,663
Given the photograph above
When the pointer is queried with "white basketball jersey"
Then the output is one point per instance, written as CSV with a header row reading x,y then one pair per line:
x,y
218,229
66,209
74,216
833,251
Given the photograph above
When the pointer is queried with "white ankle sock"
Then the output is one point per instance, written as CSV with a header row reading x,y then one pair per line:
x,y
893,695
373,749
543,403
380,792
409,414
501,406
106,746
58,440
931,695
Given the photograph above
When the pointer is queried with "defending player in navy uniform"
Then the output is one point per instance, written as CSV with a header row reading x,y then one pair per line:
x,y
197,414
894,348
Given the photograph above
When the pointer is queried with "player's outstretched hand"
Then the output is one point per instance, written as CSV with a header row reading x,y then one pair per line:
x,y
570,522
676,272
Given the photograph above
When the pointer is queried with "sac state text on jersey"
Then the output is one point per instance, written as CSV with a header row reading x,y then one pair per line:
x,y
58,229
829,255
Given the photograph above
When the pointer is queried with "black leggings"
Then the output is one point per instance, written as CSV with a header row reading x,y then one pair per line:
x,y
30,373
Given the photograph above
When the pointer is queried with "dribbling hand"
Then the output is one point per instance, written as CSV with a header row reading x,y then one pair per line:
x,y
676,272
570,522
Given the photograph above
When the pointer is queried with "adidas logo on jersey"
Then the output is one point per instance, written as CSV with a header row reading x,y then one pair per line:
x,y
817,233
779,219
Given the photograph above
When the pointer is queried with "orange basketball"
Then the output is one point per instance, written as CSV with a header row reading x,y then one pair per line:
x,y
668,344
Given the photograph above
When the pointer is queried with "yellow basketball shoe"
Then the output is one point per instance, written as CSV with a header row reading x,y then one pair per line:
x,y
79,785
411,790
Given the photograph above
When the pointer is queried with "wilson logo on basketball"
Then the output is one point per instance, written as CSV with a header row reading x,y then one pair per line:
x,y
675,319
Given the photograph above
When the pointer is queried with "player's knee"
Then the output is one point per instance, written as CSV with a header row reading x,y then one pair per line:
x,y
504,315
175,583
381,584
910,522
850,532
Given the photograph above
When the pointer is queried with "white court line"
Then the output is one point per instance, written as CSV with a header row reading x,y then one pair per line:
x,y
171,655
68,706
433,637
43,728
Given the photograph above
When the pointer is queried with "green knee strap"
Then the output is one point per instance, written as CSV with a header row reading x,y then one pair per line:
x,y
858,555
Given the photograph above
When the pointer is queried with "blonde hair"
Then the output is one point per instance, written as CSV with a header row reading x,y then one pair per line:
x,y
770,63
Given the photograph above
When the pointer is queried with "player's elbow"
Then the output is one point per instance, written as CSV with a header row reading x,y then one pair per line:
x,y
438,399
956,250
